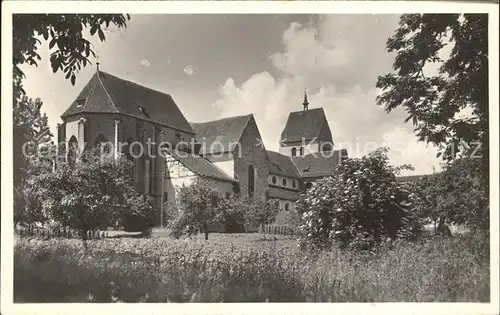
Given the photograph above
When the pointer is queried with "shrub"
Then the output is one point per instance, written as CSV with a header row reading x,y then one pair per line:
x,y
359,207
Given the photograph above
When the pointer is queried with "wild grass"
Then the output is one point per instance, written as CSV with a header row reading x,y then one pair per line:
x,y
247,268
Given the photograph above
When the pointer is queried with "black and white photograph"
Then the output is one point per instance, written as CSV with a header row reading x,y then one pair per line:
x,y
269,155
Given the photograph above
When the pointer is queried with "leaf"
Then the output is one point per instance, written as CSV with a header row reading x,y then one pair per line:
x,y
52,43
73,79
101,35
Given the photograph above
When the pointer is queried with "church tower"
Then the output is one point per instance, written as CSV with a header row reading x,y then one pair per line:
x,y
306,131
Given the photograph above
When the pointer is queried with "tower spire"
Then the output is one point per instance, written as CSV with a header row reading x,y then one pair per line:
x,y
305,103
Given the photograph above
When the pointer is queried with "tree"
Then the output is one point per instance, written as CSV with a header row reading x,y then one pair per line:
x,y
94,193
261,213
360,206
433,102
70,50
454,196
198,204
32,136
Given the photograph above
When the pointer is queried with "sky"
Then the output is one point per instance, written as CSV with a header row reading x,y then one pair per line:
x,y
217,66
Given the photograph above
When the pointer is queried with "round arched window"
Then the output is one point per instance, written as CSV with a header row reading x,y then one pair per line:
x,y
284,181
274,180
294,184
287,206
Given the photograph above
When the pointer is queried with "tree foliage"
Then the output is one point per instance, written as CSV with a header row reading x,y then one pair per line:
x,y
360,206
198,205
454,196
95,193
32,150
434,101
70,50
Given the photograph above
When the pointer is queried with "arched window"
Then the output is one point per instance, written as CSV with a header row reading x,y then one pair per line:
x,y
287,206
251,181
274,180
284,182
294,151
301,151
72,150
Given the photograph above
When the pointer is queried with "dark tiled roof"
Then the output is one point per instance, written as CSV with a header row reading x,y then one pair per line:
x,y
318,165
280,164
285,194
200,166
227,132
307,124
105,93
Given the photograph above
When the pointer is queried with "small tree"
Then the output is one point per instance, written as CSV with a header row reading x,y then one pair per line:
x,y
360,206
94,193
198,205
260,213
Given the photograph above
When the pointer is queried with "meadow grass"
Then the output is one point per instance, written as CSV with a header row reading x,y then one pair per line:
x,y
247,268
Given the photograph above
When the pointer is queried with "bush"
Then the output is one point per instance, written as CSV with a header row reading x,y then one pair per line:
x,y
140,215
359,207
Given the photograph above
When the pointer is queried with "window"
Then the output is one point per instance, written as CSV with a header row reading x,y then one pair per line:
x,y
294,151
251,181
294,184
80,102
284,182
165,197
274,180
287,206
301,151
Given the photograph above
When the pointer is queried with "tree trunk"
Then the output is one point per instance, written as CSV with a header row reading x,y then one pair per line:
x,y
83,235
205,228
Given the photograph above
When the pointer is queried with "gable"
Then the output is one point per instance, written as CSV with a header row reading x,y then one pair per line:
x,y
306,124
220,136
105,93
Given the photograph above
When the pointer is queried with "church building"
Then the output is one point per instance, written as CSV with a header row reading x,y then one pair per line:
x,y
228,152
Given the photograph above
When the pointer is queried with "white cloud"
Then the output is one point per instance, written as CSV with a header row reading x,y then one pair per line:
x,y
145,63
189,70
339,70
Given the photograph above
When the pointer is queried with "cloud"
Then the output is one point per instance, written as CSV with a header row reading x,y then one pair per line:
x,y
145,63
338,61
189,70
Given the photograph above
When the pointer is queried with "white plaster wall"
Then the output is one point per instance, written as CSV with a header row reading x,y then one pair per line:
x,y
282,214
180,176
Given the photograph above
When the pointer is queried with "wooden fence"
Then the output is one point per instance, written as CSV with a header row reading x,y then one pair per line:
x,y
278,229
33,231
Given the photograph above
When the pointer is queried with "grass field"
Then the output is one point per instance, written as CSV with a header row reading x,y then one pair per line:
x,y
246,268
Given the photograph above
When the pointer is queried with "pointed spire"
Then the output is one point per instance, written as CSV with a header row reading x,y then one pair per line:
x,y
306,103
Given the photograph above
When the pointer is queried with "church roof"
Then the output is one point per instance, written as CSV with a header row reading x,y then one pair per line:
x,y
280,164
318,164
304,123
200,166
226,132
274,192
105,93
